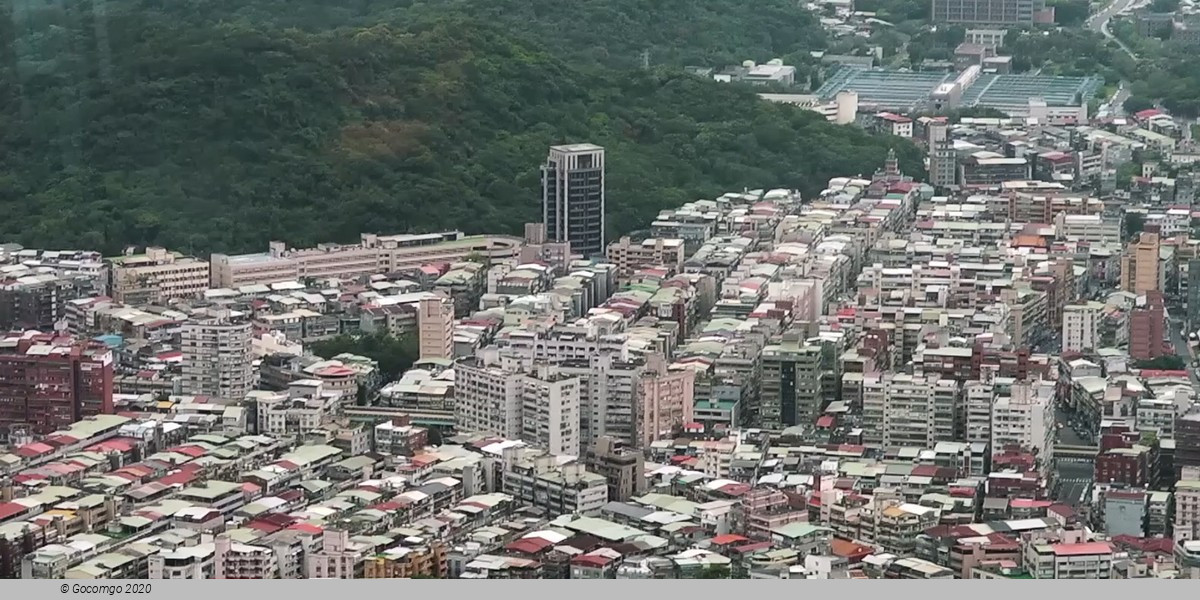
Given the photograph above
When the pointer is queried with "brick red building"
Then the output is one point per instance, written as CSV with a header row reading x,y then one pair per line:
x,y
1146,331
48,381
1122,460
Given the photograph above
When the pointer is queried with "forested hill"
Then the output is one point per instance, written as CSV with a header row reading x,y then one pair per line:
x,y
219,125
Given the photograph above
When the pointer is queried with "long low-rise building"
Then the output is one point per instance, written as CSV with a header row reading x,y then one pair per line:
x,y
374,254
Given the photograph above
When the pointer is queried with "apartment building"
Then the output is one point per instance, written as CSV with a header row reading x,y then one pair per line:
x,y
1025,418
621,467
903,409
48,382
893,124
435,324
1147,328
668,400
1081,326
550,415
943,161
406,562
1040,202
336,559
610,400
155,276
559,489
791,383
302,408
243,561
1141,270
990,169
631,256
1082,560
35,301
1187,509
216,357
183,562
487,397
896,526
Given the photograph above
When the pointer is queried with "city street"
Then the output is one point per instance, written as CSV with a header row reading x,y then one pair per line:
x,y
1099,21
1073,476
1179,343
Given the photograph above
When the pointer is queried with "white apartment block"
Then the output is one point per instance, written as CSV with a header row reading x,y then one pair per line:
x,y
155,276
216,358
978,397
1025,417
550,412
1081,326
487,397
1157,415
305,406
184,562
904,410
1084,560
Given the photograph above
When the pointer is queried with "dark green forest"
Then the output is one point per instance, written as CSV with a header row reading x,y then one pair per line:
x,y
219,125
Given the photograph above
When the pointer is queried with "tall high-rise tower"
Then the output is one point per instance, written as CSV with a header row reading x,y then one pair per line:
x,y
573,197
942,159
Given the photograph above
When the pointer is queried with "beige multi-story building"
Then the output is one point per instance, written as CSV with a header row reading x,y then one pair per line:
x,y
1187,508
1081,326
155,276
1028,313
273,266
667,400
405,562
374,254
621,467
244,561
1083,560
630,256
216,358
1093,228
336,558
435,323
1140,267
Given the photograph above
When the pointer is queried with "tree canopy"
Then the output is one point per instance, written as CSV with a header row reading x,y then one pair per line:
x,y
218,126
394,355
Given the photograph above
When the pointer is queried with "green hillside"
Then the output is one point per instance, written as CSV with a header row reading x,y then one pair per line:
x,y
218,126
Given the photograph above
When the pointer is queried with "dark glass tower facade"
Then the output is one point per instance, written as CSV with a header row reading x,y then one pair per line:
x,y
573,197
